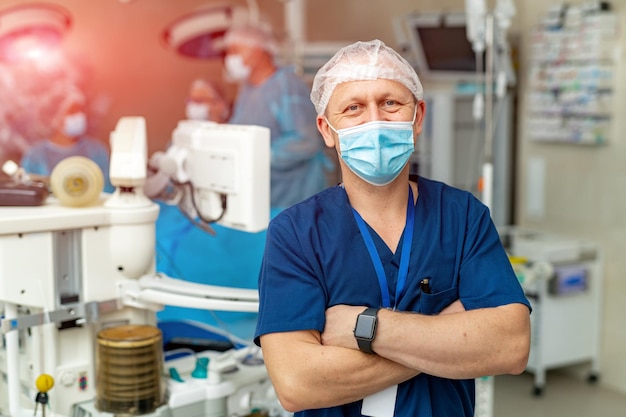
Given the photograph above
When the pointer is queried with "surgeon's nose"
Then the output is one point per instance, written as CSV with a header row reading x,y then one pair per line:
x,y
374,113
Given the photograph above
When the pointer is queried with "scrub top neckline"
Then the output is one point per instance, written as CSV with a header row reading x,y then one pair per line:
x,y
405,244
411,179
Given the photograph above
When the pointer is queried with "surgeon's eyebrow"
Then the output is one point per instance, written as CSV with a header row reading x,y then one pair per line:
x,y
343,103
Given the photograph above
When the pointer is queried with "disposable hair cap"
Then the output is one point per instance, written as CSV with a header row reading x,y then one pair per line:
x,y
256,35
208,88
363,61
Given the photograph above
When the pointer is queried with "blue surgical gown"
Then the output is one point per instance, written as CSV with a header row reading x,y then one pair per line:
x,y
44,155
299,165
315,258
231,258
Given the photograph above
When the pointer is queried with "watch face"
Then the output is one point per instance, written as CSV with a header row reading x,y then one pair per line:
x,y
365,327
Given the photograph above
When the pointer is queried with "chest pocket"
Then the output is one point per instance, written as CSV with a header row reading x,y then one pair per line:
x,y
414,299
431,304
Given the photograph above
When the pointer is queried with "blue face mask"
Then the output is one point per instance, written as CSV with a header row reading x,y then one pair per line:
x,y
376,151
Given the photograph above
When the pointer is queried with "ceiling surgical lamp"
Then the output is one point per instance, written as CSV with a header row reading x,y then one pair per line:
x,y
27,31
200,33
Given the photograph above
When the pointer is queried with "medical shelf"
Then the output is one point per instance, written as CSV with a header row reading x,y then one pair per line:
x,y
571,77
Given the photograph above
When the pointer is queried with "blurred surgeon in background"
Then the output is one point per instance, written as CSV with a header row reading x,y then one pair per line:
x,y
65,111
278,99
206,102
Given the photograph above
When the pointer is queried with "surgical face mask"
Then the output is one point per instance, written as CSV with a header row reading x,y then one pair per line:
x,y
197,111
235,68
75,125
376,151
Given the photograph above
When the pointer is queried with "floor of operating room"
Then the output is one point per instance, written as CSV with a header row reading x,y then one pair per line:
x,y
563,396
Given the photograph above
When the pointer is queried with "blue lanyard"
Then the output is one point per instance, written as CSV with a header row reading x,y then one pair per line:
x,y
404,257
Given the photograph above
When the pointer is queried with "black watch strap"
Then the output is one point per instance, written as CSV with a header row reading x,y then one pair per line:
x,y
365,345
369,318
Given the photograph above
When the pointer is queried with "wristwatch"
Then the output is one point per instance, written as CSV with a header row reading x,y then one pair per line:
x,y
365,329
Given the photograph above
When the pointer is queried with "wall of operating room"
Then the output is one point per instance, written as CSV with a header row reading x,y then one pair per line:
x,y
577,191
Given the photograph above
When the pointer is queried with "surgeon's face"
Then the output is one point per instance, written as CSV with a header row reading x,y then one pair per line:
x,y
356,102
74,108
202,105
247,53
70,124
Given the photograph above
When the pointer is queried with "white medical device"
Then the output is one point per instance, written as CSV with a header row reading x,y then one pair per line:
x,y
220,173
67,273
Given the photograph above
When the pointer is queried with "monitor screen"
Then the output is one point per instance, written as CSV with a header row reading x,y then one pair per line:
x,y
439,46
446,49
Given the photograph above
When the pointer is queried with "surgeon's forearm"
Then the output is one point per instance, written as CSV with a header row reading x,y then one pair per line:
x,y
307,375
468,344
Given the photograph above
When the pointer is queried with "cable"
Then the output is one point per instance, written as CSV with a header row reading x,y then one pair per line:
x,y
205,222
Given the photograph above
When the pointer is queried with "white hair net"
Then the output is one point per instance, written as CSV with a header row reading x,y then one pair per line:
x,y
207,87
202,84
252,35
359,62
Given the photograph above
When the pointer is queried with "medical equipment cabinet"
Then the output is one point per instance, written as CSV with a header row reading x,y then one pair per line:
x,y
564,286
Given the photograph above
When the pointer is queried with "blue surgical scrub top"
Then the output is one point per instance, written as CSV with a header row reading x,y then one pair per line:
x,y
44,155
316,258
299,165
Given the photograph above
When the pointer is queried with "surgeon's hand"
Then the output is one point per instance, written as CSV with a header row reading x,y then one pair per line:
x,y
339,329
341,319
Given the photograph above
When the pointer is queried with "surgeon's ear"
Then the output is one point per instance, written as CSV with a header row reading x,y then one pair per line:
x,y
419,117
325,130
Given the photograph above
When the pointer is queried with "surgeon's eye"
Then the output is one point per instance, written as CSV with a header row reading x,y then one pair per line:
x,y
391,105
353,110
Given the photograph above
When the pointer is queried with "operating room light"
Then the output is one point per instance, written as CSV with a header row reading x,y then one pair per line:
x,y
199,34
28,30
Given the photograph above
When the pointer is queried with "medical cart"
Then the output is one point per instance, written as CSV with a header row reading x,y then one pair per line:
x,y
562,279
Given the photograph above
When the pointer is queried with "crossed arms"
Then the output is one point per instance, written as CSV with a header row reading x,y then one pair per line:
x,y
311,370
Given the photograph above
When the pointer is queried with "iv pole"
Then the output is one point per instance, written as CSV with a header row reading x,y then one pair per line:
x,y
481,33
487,169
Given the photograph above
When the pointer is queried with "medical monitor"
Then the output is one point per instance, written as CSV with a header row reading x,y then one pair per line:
x,y
438,44
228,167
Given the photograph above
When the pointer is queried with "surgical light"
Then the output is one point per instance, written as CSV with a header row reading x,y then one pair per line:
x,y
199,34
28,30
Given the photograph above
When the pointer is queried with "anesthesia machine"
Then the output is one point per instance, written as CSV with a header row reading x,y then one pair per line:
x,y
80,293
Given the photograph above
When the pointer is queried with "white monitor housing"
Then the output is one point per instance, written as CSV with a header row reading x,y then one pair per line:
x,y
228,168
